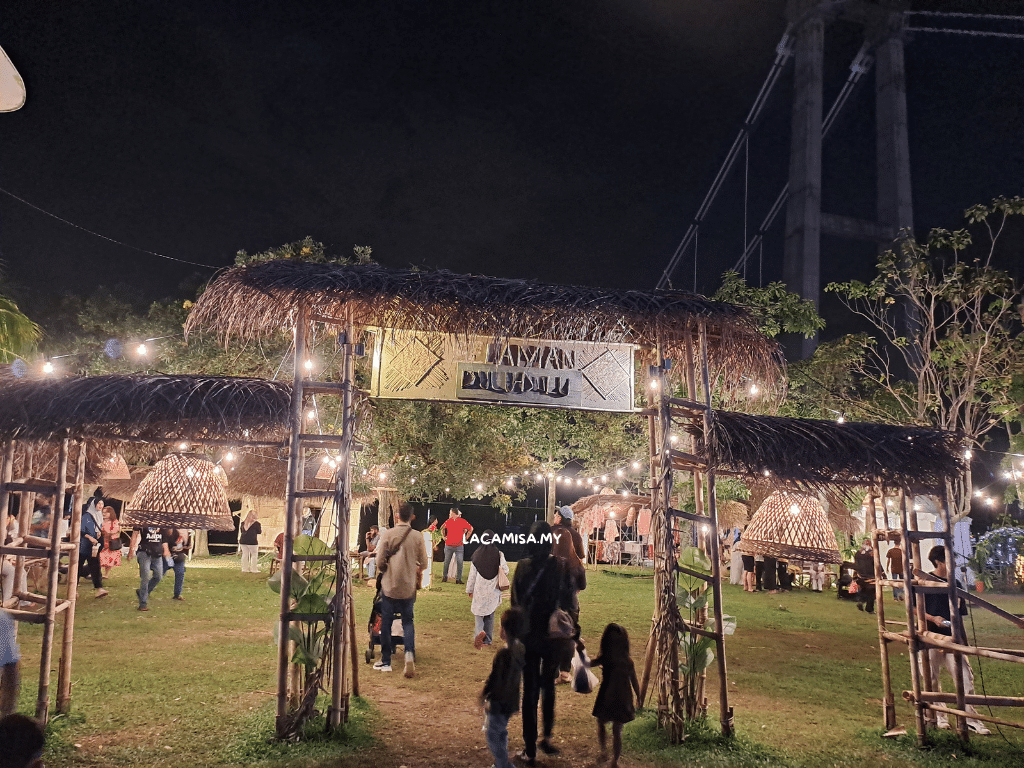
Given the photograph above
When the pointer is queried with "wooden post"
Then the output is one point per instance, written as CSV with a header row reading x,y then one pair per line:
x,y
295,483
956,620
652,444
342,496
726,717
352,641
46,655
6,473
75,533
888,700
912,549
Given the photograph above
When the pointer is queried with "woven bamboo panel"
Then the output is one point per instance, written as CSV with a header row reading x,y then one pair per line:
x,y
793,526
183,490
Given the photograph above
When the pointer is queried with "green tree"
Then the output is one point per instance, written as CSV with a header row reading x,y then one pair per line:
x,y
18,334
952,365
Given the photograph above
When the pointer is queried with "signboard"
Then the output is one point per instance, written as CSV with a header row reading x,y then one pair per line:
x,y
415,365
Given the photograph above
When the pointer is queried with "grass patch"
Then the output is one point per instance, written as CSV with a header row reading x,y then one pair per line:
x,y
704,746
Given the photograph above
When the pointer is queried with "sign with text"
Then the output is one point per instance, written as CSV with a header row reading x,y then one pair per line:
x,y
415,365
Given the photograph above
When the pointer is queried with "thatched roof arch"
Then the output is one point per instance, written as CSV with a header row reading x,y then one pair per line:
x,y
814,454
145,407
255,300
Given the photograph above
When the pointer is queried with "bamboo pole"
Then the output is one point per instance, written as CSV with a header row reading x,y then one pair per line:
x,y
888,699
909,605
960,713
352,641
46,654
978,699
652,445
956,620
75,533
6,474
26,508
295,482
342,494
726,715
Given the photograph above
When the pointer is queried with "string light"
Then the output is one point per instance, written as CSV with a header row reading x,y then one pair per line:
x,y
47,367
229,456
311,415
968,454
183,446
308,365
142,350
383,475
636,465
754,390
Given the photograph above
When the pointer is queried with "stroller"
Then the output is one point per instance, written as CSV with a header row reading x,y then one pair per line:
x,y
374,625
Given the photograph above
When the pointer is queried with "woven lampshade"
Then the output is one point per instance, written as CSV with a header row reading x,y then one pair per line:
x,y
793,526
183,490
115,468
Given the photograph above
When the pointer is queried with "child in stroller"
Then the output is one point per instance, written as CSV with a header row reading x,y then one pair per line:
x,y
374,624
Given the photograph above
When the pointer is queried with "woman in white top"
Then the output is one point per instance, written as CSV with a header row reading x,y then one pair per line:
x,y
482,586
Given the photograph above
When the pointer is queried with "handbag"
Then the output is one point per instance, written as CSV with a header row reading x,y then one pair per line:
x,y
503,583
560,626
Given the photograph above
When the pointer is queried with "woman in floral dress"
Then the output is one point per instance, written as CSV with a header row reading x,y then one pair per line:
x,y
110,555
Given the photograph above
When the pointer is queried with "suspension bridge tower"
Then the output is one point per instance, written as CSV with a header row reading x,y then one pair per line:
x,y
883,24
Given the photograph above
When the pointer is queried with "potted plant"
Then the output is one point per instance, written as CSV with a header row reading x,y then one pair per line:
x,y
978,563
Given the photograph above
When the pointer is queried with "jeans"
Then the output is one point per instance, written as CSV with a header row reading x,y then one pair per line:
x,y
179,576
539,673
458,552
484,624
148,562
388,608
497,739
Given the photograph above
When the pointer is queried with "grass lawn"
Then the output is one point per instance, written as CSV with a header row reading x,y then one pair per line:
x,y
192,683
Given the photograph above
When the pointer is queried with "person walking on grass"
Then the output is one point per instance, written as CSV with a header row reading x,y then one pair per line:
x,y
540,587
937,614
864,563
401,560
151,546
456,531
180,544
89,543
500,696
482,586
614,703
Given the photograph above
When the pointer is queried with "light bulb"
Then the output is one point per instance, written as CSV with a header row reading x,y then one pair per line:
x,y
308,365
311,415
47,367
636,465
383,475
142,350
618,473
183,447
229,456
754,389
794,509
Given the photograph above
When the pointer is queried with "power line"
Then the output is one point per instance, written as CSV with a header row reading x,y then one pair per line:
x,y
102,237
970,32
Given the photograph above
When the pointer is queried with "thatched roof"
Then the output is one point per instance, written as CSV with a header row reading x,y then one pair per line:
x,y
793,526
258,299
811,453
145,407
183,490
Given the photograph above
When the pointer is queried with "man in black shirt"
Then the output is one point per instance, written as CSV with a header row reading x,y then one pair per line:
x,y
936,613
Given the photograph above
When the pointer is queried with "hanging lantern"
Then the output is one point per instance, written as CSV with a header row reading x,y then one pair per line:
x,y
115,468
183,490
792,526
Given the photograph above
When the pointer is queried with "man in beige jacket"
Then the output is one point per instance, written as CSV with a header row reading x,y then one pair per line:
x,y
401,557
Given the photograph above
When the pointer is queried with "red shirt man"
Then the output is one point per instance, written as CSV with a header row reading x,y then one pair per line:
x,y
456,531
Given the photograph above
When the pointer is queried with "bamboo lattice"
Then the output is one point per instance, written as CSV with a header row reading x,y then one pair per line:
x,y
183,490
791,525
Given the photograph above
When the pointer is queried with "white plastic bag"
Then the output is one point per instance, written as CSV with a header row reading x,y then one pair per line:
x,y
583,680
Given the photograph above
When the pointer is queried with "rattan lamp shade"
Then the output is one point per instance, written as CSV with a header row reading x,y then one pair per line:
x,y
184,491
115,468
793,526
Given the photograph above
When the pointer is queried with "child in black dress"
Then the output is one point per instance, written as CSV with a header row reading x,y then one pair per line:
x,y
614,702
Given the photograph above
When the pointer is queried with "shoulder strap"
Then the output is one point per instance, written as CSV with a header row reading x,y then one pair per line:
x,y
391,552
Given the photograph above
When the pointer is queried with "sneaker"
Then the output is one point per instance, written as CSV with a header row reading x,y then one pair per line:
x,y
978,728
479,640
143,608
380,666
410,664
101,593
547,747
563,678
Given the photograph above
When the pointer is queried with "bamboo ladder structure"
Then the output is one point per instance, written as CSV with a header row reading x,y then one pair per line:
x,y
343,614
916,583
668,622
25,547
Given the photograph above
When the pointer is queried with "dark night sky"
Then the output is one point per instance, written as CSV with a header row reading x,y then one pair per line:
x,y
569,141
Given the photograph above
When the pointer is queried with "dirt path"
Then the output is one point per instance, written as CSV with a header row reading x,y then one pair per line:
x,y
434,719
